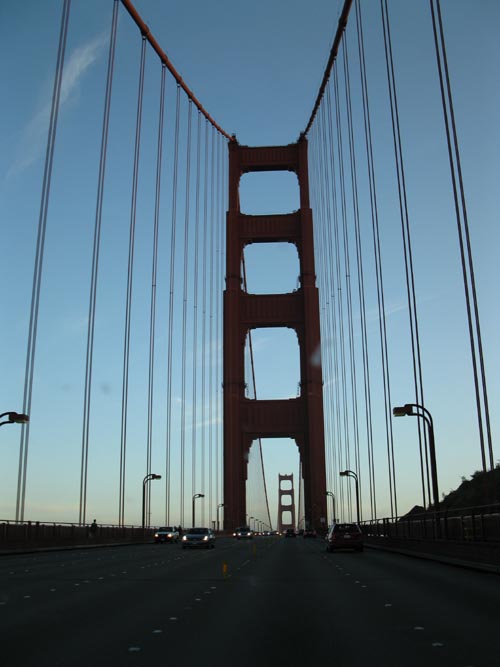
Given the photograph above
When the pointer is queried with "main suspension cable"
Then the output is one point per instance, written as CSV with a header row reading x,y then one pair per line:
x,y
333,54
146,33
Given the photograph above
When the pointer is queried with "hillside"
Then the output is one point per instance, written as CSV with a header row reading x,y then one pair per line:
x,y
482,489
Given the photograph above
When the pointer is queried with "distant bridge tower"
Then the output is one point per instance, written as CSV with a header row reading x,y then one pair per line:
x,y
246,419
286,503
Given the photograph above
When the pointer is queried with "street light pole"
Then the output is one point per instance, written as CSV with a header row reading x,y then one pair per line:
x,y
147,479
196,495
407,410
14,418
218,507
329,493
351,473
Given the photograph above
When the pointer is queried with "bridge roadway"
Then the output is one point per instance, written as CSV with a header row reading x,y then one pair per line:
x,y
282,601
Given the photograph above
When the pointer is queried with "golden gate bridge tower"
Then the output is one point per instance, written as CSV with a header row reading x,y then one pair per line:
x,y
286,502
301,418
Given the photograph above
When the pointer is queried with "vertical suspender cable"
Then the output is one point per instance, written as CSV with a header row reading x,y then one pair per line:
x,y
325,110
184,310
378,267
95,265
171,310
218,218
405,228
194,428
224,185
37,273
128,308
203,323
254,388
318,251
326,336
340,308
462,221
211,320
154,271
361,286
350,328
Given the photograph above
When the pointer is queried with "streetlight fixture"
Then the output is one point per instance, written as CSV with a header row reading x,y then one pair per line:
x,y
329,493
196,495
14,418
351,473
249,524
411,409
147,479
218,508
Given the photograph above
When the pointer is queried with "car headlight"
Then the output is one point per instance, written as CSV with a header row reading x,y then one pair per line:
x,y
156,535
184,538
205,539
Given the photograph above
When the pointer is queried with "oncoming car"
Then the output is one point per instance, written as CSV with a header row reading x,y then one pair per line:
x,y
202,538
242,532
344,536
166,534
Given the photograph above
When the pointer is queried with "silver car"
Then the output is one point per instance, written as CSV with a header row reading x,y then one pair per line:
x,y
202,538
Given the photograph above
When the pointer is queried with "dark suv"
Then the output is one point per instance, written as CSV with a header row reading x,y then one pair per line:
x,y
344,536
243,532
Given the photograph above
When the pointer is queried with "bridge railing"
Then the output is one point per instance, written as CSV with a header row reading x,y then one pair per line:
x,y
39,534
468,524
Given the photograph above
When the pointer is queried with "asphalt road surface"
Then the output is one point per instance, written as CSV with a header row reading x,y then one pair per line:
x,y
267,601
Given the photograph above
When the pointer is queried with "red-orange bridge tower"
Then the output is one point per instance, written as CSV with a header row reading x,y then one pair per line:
x,y
298,418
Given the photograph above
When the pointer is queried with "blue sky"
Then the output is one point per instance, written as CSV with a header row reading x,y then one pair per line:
x,y
256,68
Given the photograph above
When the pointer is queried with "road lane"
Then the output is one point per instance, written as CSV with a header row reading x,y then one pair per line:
x,y
267,600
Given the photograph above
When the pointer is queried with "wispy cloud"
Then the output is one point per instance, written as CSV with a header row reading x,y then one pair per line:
x,y
372,315
34,135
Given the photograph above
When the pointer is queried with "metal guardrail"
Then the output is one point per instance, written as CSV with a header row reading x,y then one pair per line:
x,y
468,524
15,534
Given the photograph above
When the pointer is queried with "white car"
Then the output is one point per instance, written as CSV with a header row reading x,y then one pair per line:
x,y
166,534
203,538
